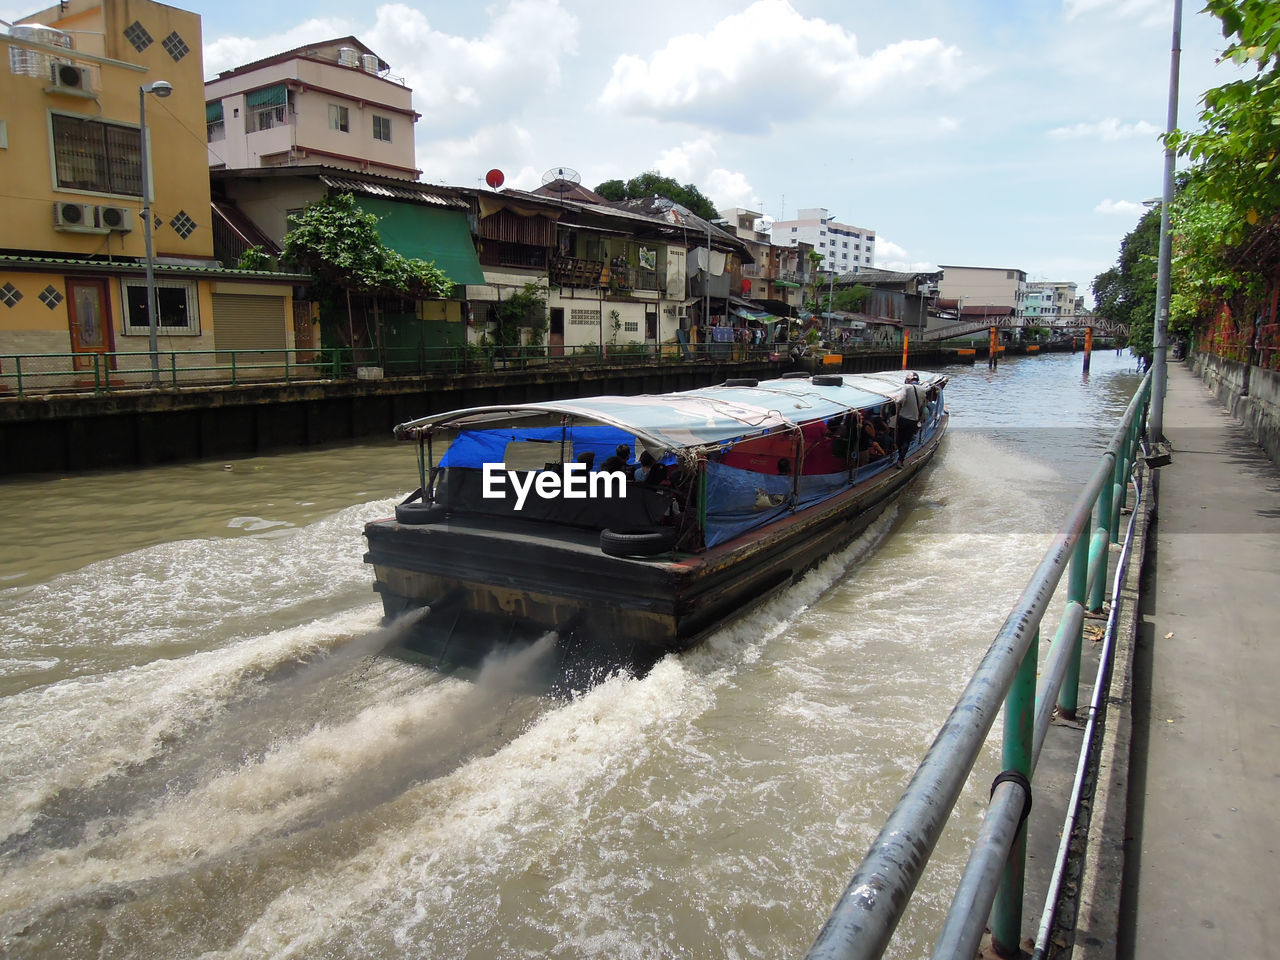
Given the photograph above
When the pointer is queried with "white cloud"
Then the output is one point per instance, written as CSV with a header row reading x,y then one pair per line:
x,y
1109,129
890,256
769,65
226,53
696,161
455,80
1127,208
465,160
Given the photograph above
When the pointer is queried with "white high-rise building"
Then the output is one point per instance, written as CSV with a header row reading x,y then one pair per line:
x,y
844,248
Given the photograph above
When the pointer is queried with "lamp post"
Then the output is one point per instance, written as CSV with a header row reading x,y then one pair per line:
x,y
161,88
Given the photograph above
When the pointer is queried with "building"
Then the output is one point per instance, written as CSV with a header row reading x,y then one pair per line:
x,y
843,248
979,287
73,161
333,103
1049,304
417,220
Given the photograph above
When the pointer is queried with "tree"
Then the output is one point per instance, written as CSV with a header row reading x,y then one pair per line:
x,y
524,310
653,183
1226,220
1127,292
338,244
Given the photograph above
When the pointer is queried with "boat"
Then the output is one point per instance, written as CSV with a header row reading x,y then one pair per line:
x,y
618,529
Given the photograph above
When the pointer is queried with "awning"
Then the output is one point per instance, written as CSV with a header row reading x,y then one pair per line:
x,y
213,112
758,316
428,233
786,283
273,96
708,416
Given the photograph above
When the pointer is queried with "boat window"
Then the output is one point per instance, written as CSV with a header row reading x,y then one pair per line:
x,y
534,454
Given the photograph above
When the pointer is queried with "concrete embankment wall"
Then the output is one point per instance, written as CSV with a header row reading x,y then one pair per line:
x,y
1250,393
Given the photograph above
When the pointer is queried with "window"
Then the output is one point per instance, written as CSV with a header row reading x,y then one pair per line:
x,y
97,156
215,128
381,128
793,229
176,306
264,118
339,118
266,108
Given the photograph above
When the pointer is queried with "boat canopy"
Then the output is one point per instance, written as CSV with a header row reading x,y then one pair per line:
x,y
706,417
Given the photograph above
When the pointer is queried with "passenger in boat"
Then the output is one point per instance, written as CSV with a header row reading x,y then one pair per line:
x,y
909,415
617,461
881,425
589,458
650,472
868,447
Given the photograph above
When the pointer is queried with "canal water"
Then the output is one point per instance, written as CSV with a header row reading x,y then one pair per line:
x,y
202,757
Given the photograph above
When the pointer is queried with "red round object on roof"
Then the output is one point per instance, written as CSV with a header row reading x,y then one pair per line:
x,y
494,178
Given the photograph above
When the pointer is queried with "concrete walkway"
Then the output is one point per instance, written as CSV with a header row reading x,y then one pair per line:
x,y
1202,871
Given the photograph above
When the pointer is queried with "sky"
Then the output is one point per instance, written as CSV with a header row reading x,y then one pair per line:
x,y
1021,134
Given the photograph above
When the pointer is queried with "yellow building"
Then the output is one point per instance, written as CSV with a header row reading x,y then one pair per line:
x,y
73,291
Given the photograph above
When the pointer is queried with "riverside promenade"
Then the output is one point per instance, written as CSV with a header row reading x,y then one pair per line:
x,y
1202,830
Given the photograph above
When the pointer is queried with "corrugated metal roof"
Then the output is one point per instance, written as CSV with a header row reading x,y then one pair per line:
x,y
392,192
130,267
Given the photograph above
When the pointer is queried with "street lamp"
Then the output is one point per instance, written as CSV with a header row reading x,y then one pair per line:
x,y
161,88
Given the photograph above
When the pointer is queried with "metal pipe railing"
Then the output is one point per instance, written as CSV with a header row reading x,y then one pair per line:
x,y
875,898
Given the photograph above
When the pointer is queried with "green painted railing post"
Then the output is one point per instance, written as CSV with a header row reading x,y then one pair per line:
x,y
1077,580
17,369
173,369
233,368
1019,734
97,373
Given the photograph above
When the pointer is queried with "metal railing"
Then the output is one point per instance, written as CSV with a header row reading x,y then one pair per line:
x,y
875,899
24,375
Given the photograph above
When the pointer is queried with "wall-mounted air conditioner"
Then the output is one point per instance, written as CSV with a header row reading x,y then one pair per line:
x,y
69,78
76,217
119,219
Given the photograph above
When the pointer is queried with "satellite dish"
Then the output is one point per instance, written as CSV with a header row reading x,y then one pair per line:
x,y
561,180
494,178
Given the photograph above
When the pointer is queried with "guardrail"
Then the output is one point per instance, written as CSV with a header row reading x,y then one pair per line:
x,y
875,899
25,375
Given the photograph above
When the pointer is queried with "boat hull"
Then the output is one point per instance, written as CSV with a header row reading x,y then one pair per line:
x,y
492,583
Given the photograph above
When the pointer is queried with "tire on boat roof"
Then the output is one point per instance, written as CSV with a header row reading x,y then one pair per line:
x,y
829,380
796,375
643,542
418,513
742,382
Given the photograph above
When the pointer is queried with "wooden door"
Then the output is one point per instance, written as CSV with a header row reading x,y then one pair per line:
x,y
89,318
556,338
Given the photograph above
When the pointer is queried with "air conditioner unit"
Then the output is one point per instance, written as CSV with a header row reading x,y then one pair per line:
x,y
69,78
81,217
119,219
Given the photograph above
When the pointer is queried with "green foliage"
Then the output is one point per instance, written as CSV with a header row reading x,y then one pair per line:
x,y
652,183
1127,292
1237,153
852,299
1227,213
338,244
255,258
524,310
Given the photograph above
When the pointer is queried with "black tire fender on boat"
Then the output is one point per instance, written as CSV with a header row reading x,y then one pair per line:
x,y
829,380
742,382
418,513
796,375
645,542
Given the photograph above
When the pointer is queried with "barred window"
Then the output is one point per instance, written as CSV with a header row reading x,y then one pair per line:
x,y
96,155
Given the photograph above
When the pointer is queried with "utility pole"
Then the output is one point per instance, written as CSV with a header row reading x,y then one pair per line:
x,y
1160,342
